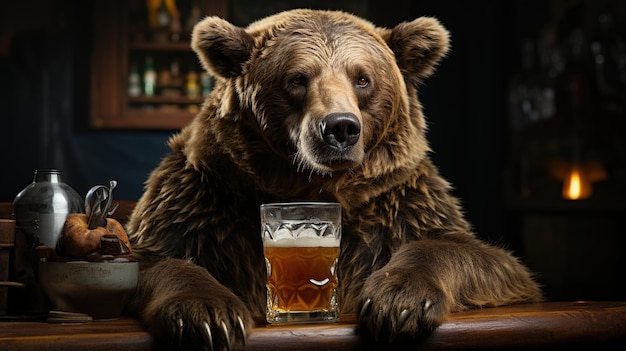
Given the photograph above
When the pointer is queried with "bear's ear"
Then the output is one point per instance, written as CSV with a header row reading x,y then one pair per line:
x,y
221,46
418,45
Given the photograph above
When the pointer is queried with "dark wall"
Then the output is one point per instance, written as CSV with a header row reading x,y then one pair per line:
x,y
463,103
44,108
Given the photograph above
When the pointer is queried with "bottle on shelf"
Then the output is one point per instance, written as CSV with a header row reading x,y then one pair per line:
x,y
164,19
169,81
163,15
195,15
134,81
177,80
164,82
192,87
149,77
175,29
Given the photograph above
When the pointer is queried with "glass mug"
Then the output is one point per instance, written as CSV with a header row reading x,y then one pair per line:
x,y
301,247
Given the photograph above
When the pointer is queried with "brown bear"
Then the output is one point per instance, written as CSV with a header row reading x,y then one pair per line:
x,y
311,106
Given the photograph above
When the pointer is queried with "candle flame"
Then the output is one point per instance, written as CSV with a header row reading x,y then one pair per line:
x,y
576,185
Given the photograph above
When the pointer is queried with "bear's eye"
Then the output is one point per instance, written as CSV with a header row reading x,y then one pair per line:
x,y
298,79
362,82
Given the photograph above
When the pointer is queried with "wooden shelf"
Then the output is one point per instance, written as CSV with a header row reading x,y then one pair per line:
x,y
164,100
146,119
152,46
110,105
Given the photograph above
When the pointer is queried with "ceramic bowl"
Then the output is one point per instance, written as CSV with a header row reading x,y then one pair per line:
x,y
99,289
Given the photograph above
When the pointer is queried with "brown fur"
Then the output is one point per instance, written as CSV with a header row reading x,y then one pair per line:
x,y
405,245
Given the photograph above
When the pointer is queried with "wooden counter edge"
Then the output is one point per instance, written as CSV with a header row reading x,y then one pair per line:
x,y
548,325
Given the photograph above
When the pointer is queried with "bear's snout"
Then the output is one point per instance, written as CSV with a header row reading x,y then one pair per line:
x,y
340,130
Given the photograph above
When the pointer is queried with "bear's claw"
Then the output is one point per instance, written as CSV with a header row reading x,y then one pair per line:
x,y
208,336
226,336
379,327
377,321
180,324
403,317
365,308
242,328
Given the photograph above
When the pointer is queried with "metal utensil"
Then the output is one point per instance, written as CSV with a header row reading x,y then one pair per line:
x,y
98,203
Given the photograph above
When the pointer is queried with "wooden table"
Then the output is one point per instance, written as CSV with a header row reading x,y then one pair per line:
x,y
550,325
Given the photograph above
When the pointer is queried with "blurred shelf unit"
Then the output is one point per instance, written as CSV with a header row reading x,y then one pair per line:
x,y
144,74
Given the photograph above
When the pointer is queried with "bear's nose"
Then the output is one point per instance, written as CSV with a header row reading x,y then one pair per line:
x,y
341,130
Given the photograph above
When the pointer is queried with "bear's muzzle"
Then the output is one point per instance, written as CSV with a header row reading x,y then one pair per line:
x,y
341,130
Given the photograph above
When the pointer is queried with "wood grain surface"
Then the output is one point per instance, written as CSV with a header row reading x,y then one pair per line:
x,y
549,325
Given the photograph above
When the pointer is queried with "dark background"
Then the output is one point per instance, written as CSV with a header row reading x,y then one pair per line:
x,y
44,96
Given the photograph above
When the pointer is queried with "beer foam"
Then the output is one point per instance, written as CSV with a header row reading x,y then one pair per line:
x,y
302,242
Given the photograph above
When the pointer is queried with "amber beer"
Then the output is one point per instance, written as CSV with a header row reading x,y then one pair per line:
x,y
301,247
302,278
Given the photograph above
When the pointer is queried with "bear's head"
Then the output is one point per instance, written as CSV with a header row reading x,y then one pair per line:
x,y
328,90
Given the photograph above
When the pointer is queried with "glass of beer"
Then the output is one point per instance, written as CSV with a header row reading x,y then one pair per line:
x,y
301,246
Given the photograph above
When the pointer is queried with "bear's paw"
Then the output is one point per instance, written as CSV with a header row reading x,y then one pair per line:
x,y
398,304
200,321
